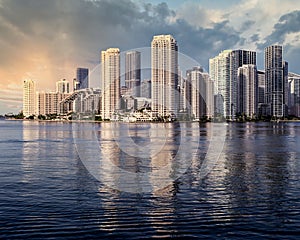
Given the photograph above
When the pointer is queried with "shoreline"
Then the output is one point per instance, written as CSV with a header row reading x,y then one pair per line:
x,y
92,121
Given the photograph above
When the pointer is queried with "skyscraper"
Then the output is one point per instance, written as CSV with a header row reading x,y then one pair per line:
x,y
201,91
294,94
62,86
219,71
82,77
247,90
29,98
223,70
133,73
286,87
198,86
274,74
261,84
164,74
146,88
110,82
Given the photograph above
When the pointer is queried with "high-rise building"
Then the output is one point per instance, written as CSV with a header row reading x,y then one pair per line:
x,y
274,74
181,91
223,70
86,101
261,90
261,84
82,78
133,73
209,96
164,74
201,92
187,94
198,87
110,82
146,88
294,94
286,86
29,98
247,90
62,86
219,71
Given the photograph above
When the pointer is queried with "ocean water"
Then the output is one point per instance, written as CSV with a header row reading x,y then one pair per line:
x,y
134,181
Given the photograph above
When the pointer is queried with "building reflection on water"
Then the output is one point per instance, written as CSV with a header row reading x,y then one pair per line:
x,y
148,174
155,173
254,172
46,147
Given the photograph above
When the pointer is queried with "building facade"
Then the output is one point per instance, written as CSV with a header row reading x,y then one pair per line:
x,y
82,78
223,70
146,88
29,98
247,91
164,73
198,87
133,73
294,94
49,102
63,86
219,71
110,82
261,84
274,76
200,94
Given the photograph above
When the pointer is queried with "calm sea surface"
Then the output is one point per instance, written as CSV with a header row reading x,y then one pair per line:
x,y
49,190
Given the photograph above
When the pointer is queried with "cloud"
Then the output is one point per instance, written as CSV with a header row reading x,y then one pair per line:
x,y
197,15
286,31
46,40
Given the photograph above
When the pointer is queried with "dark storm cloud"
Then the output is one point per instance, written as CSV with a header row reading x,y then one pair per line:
x,y
288,23
78,30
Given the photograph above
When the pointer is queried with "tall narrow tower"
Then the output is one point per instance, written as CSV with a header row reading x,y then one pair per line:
x,y
110,82
274,76
133,73
29,98
164,61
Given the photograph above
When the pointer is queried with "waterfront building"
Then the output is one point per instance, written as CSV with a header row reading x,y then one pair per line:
x,y
223,70
110,82
164,74
63,86
275,81
49,102
247,91
133,73
146,88
294,94
82,78
84,101
29,98
201,92
261,85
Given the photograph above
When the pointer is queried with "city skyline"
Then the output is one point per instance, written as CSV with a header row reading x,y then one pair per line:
x,y
34,48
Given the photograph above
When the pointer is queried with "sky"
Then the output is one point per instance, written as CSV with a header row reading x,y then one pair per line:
x,y
47,40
